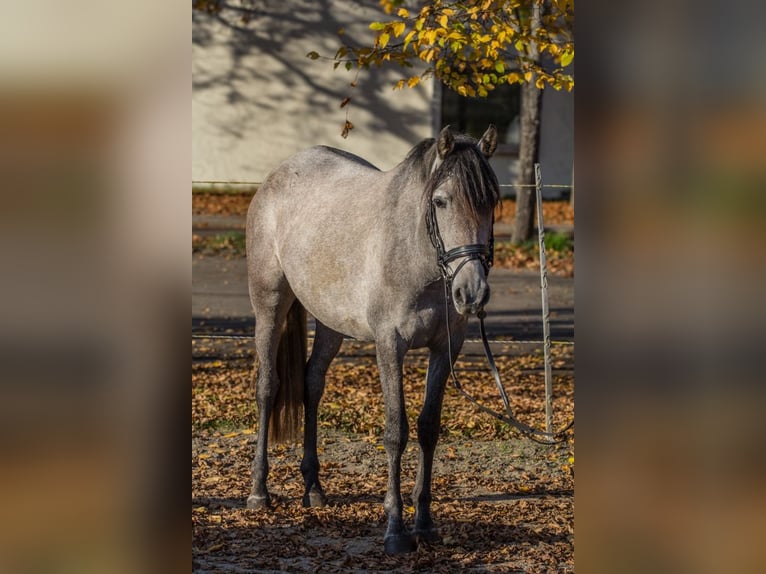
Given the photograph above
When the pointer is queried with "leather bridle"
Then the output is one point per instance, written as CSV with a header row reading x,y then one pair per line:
x,y
484,253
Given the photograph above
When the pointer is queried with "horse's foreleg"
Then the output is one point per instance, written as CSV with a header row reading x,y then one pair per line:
x,y
390,357
429,423
326,345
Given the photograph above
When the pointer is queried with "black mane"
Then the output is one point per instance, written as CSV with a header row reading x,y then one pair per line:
x,y
474,179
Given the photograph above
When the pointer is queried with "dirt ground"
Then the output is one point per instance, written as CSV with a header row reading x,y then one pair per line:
x,y
501,502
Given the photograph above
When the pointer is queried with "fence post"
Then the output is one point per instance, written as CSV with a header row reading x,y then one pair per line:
x,y
546,311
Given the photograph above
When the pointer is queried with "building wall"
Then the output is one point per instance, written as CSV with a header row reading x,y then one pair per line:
x,y
257,98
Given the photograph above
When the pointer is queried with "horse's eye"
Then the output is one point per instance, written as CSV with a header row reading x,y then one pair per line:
x,y
439,202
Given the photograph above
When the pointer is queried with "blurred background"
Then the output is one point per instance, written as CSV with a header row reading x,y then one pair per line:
x,y
671,176
95,265
95,268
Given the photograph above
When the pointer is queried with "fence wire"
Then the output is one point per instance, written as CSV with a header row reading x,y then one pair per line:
x,y
214,336
258,183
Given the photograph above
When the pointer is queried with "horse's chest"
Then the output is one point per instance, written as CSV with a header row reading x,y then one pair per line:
x,y
421,326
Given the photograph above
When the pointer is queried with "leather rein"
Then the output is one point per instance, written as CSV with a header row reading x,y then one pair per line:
x,y
485,255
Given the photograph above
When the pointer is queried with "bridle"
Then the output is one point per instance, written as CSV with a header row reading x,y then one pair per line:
x,y
485,254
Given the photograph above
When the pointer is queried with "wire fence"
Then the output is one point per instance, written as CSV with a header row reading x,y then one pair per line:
x,y
546,343
235,337
211,185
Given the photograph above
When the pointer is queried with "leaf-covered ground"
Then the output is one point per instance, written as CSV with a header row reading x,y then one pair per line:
x,y
502,503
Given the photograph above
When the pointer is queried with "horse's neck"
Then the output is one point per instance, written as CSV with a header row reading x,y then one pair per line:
x,y
419,263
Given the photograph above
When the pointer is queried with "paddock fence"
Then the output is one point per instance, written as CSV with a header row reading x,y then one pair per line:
x,y
229,186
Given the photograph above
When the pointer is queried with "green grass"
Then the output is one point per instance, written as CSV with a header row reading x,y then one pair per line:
x,y
558,242
230,243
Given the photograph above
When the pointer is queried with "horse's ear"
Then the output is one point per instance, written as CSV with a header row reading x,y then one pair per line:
x,y
445,143
488,142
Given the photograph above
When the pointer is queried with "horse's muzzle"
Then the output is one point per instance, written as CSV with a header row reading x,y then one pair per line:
x,y
470,296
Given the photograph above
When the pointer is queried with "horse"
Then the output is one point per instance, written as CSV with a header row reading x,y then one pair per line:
x,y
376,256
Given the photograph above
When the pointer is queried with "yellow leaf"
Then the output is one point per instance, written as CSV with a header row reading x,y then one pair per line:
x,y
398,28
383,40
540,82
403,13
443,21
408,38
413,81
528,76
567,57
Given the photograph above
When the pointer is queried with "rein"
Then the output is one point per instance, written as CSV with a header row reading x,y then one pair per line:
x,y
485,254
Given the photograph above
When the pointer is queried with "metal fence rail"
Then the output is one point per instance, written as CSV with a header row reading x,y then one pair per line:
x,y
221,185
234,337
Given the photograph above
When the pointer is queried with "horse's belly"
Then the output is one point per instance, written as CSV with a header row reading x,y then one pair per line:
x,y
339,304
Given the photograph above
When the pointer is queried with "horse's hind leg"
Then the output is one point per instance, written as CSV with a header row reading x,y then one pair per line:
x,y
271,298
326,345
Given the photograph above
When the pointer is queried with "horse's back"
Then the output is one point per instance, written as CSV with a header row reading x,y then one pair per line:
x,y
317,166
322,171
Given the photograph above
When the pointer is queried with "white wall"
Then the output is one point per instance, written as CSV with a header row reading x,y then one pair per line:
x,y
257,99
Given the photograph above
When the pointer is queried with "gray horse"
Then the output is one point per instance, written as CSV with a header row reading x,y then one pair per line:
x,y
368,253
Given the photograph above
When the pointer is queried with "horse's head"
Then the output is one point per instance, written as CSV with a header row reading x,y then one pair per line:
x,y
462,194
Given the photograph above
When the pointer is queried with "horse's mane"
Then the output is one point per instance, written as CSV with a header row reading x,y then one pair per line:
x,y
474,180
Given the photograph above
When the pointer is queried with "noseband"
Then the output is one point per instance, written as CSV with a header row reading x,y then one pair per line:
x,y
484,253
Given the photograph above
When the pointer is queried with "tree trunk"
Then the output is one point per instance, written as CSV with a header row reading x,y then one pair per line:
x,y
529,144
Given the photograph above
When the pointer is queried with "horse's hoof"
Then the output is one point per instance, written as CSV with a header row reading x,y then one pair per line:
x,y
399,544
257,501
314,499
430,535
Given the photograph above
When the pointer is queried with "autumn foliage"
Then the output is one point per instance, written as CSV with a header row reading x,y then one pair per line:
x,y
470,46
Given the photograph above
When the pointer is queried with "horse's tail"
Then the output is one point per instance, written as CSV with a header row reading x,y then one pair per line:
x,y
285,423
